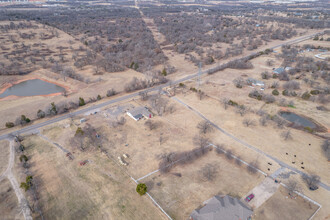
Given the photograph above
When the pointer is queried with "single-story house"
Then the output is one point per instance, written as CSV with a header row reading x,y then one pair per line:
x,y
138,113
224,208
255,82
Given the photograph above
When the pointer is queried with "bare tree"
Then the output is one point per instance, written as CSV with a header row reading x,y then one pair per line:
x,y
253,167
151,125
241,109
312,181
239,82
292,187
286,135
209,172
201,94
205,127
144,95
248,122
201,142
326,148
225,102
263,120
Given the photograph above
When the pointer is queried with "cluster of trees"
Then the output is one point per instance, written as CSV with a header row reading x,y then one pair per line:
x,y
168,161
138,84
86,138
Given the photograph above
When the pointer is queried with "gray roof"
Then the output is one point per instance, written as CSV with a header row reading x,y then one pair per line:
x,y
139,111
279,70
224,208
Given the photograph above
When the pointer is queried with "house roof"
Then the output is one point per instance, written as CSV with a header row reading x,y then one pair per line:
x,y
138,112
224,208
279,70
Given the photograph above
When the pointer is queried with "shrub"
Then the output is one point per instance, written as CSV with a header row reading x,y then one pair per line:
x,y
308,129
23,158
98,97
141,188
41,114
305,96
81,101
232,103
269,98
275,76
193,89
315,92
111,92
275,92
181,84
9,124
255,94
285,92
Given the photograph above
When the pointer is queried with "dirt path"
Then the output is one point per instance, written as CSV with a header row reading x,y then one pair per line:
x,y
9,174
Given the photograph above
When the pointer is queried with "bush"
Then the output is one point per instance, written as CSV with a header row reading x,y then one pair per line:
x,y
232,103
141,188
41,114
255,94
275,92
315,92
285,92
181,84
111,92
9,124
305,96
269,98
23,158
81,101
98,97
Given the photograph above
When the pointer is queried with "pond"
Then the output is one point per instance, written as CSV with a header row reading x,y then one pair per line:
x,y
32,87
298,120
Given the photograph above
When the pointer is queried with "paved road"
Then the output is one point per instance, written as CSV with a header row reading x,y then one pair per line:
x,y
282,164
130,96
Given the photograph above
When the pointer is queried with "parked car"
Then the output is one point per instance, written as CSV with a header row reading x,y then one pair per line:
x,y
249,197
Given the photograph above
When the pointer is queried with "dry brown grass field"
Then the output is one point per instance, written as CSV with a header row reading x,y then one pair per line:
x,y
180,195
4,155
281,206
9,207
98,190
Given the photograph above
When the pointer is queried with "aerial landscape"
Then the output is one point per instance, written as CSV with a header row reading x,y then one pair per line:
x,y
165,109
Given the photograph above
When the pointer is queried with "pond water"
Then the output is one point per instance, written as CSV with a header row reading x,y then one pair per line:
x,y
31,88
297,120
